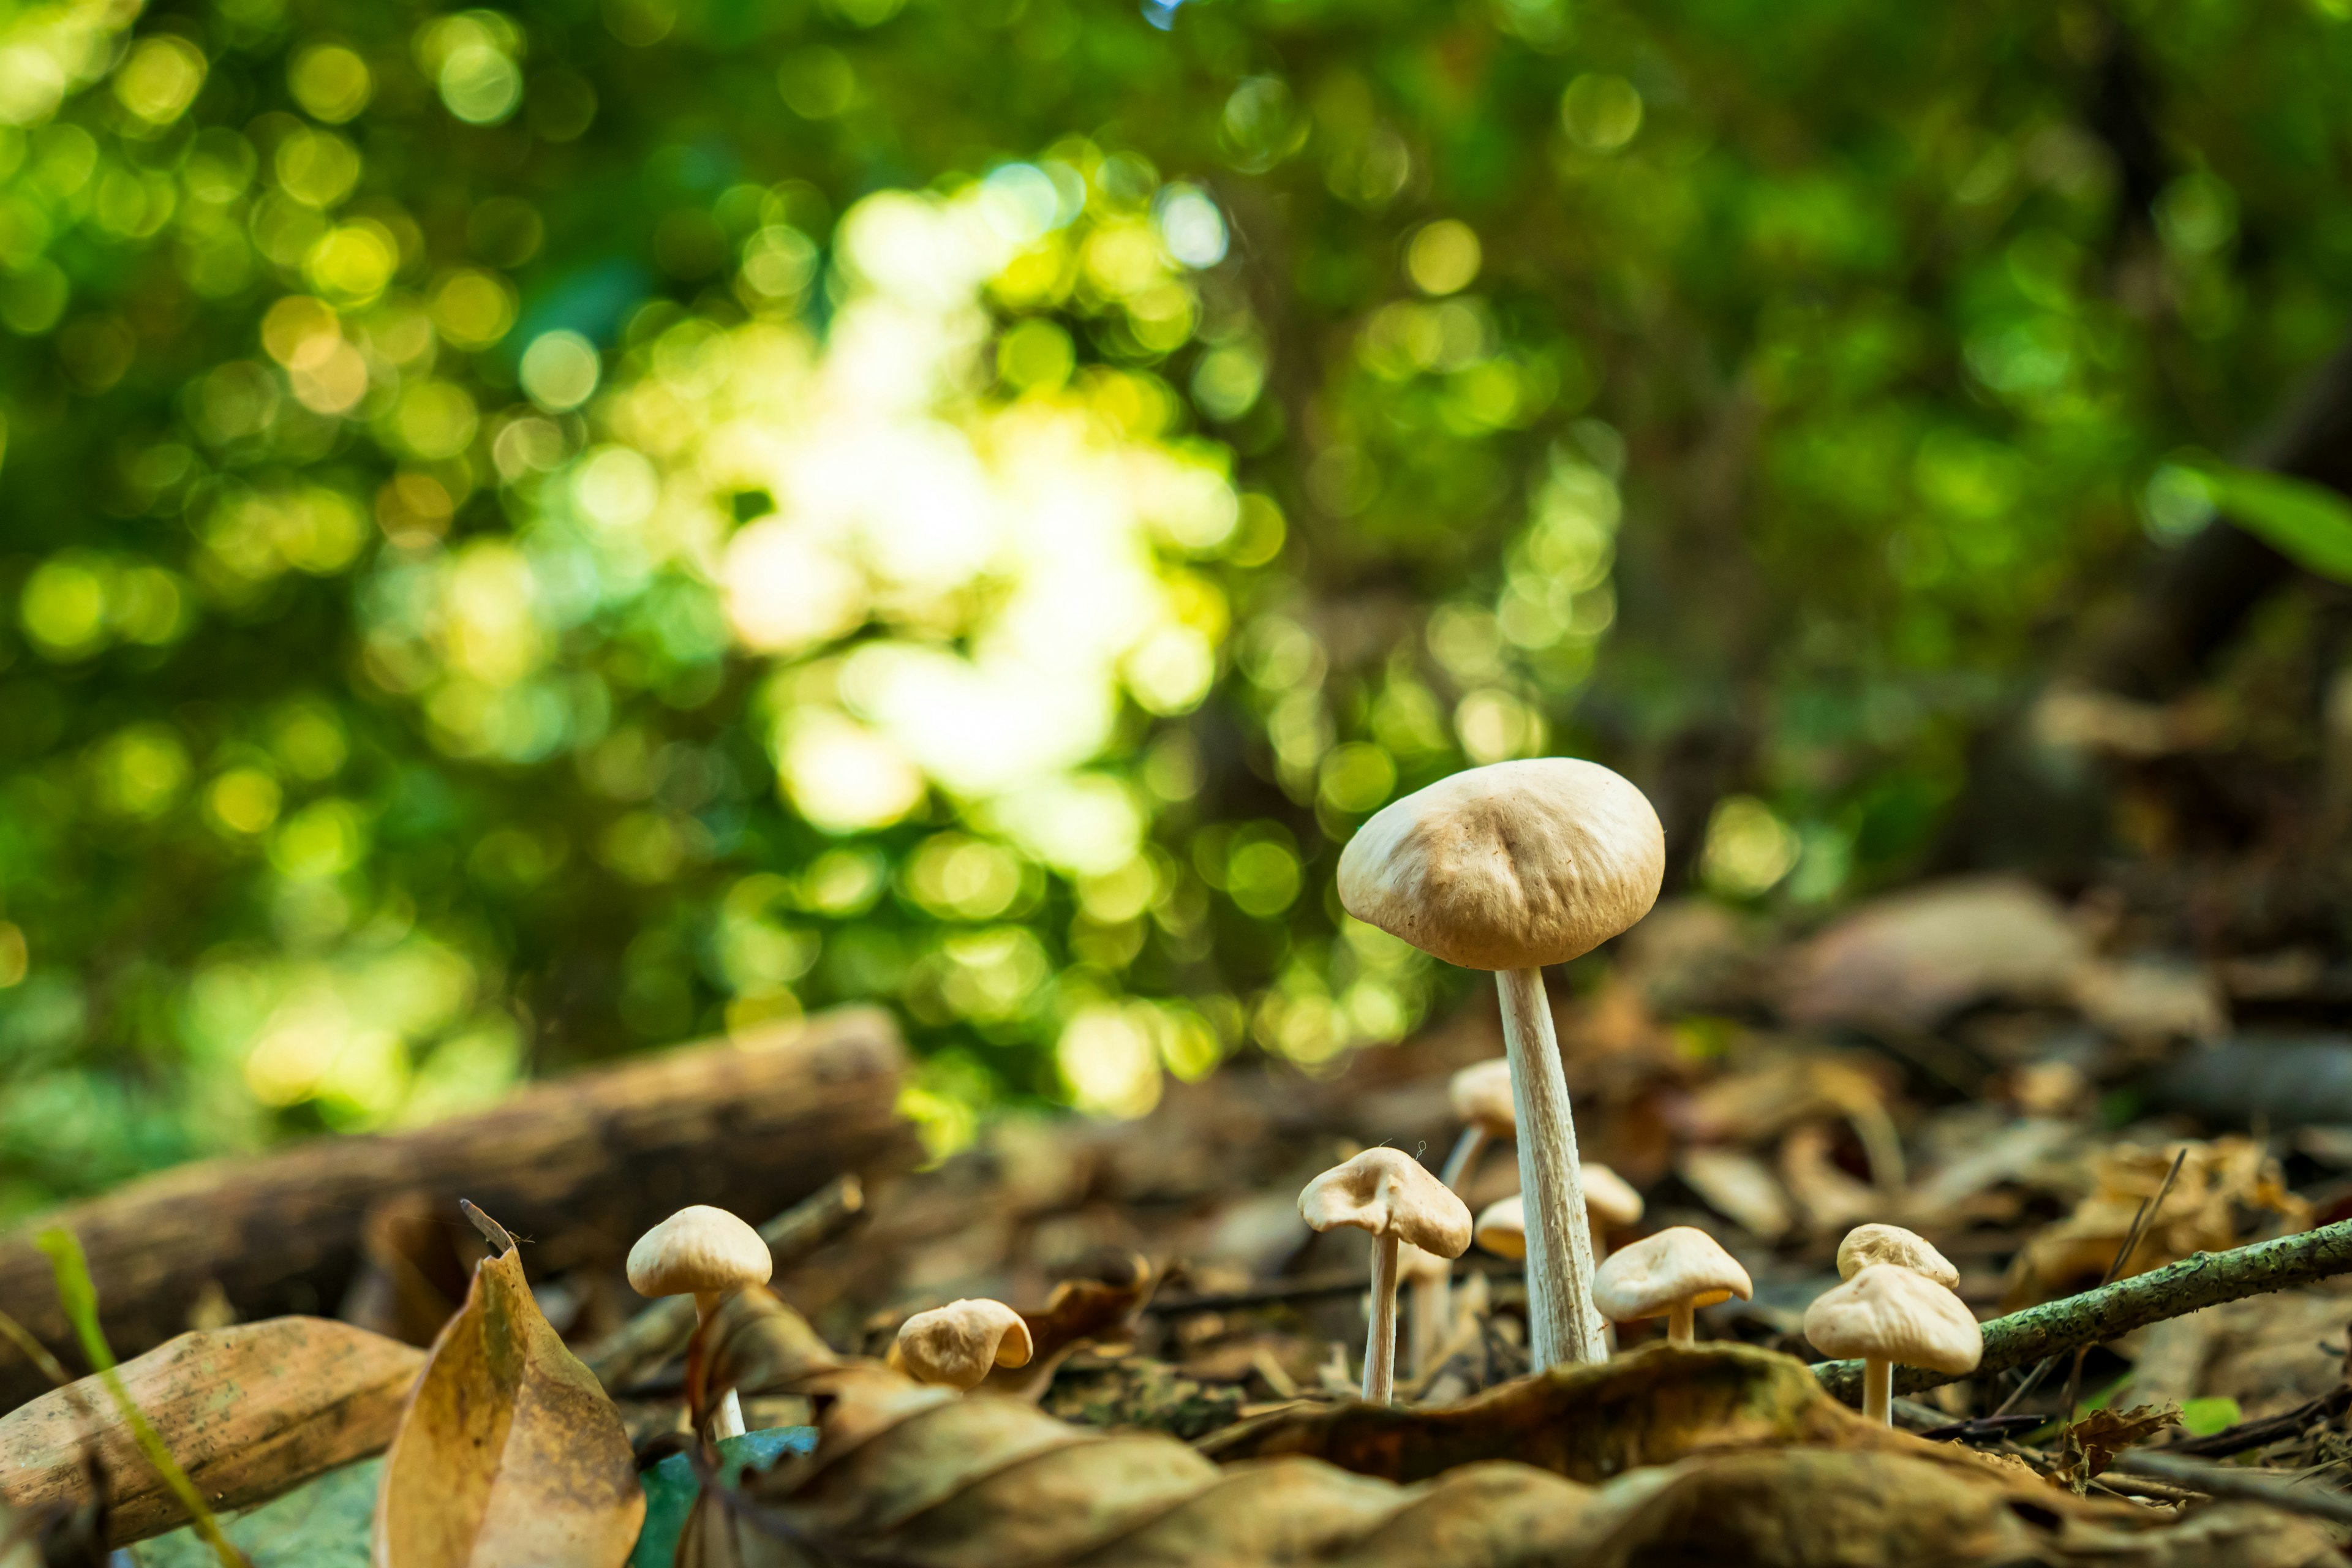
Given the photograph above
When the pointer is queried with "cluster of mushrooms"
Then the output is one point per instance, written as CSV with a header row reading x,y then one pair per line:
x,y
1507,868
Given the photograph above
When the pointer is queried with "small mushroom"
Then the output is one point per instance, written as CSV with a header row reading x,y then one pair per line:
x,y
1502,1227
1391,1194
1512,867
1428,1280
708,1254
960,1343
1481,1096
1867,1244
1886,1314
1673,1273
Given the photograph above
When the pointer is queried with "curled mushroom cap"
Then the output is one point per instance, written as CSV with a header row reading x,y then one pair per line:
x,y
1503,1228
1609,1197
1511,866
697,1251
957,1344
1682,1264
1481,1094
1886,1312
1867,1244
1389,1193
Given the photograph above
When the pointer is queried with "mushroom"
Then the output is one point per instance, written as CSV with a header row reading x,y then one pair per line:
x,y
1867,1244
1609,1200
1481,1096
1391,1194
708,1254
1675,1272
1886,1314
1502,1227
960,1343
1429,1280
1510,868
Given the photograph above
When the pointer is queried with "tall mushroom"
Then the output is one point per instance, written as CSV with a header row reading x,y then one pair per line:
x,y
960,1343
1671,1274
1481,1096
708,1254
1886,1314
1867,1244
1510,868
1389,1193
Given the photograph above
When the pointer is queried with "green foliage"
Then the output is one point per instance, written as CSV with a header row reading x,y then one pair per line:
x,y
2309,524
534,531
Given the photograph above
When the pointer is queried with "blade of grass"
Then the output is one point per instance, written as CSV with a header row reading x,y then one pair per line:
x,y
35,1351
79,1297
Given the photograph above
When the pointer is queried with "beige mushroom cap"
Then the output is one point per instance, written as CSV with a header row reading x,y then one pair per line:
x,y
1888,1312
1414,1266
1502,1227
1867,1244
1511,866
1680,1264
958,1345
1481,1094
697,1251
1389,1193
1609,1197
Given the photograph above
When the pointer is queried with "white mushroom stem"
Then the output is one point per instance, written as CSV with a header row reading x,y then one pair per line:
x,y
1878,1389
1681,1326
1466,1150
1562,1323
1380,1345
1433,1319
726,1421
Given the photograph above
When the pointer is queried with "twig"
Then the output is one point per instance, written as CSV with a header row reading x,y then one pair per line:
x,y
35,1351
1277,1292
2247,1435
661,1331
2230,1481
2200,1280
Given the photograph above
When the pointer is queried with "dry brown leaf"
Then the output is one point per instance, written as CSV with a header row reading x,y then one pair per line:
x,y
2089,1445
2220,1181
1910,960
1079,1312
508,1453
249,1411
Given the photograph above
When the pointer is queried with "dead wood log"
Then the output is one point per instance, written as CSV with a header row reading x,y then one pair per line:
x,y
751,1123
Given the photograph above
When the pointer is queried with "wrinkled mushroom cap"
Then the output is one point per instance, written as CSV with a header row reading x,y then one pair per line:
x,y
958,1345
1609,1197
1389,1193
1681,1264
1502,1227
1511,866
1867,1244
1888,1312
697,1251
1481,1095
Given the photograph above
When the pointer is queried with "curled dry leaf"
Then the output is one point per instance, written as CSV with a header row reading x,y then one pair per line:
x,y
2091,1445
1078,1313
249,1411
509,1452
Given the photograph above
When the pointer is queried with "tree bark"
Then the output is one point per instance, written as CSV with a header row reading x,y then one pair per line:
x,y
750,1125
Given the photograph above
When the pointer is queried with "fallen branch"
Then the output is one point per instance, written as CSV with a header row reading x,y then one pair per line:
x,y
2094,1317
661,1331
2233,1481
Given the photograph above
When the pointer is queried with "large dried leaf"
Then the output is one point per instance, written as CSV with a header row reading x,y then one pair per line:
x,y
1720,1453
509,1452
249,1411
2089,1445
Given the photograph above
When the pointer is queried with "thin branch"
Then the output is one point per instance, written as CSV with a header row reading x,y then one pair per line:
x,y
2232,1481
2203,1279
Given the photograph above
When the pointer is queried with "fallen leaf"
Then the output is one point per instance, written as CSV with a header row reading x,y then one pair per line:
x,y
1079,1312
508,1453
249,1411
1908,961
1740,1187
2088,1446
674,1491
323,1523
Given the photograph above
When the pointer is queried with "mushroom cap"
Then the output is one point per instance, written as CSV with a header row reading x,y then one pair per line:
x,y
1867,1244
1609,1197
958,1345
1888,1312
1389,1193
1511,866
1414,1266
697,1250
1481,1094
1502,1227
1679,1264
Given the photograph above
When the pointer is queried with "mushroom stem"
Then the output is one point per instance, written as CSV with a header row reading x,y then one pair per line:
x,y
1433,1320
1878,1389
726,1421
1560,1321
1680,1328
1380,1345
1466,1150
